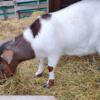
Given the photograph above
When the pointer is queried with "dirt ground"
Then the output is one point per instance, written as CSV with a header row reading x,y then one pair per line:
x,y
77,78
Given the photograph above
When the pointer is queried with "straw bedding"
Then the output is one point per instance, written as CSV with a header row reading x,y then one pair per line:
x,y
77,78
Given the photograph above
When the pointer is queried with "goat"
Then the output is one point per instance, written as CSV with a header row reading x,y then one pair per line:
x,y
74,30
4,45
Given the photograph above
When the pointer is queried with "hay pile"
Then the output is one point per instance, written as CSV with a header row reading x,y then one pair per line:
x,y
76,78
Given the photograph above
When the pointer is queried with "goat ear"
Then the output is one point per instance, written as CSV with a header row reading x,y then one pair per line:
x,y
7,56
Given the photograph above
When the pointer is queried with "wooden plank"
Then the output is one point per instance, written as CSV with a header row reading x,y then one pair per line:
x,y
25,3
26,7
31,7
10,10
7,11
43,6
1,11
43,9
7,16
27,98
1,17
24,0
11,16
27,11
7,7
43,0
6,3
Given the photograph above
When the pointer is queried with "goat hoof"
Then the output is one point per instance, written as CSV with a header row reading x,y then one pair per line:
x,y
49,84
46,86
39,75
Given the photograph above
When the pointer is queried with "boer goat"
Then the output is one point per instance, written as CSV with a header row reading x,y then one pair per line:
x,y
74,30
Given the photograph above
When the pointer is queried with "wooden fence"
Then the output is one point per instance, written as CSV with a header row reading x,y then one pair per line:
x,y
21,8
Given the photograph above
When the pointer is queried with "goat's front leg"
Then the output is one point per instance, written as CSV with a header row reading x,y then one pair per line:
x,y
40,68
52,62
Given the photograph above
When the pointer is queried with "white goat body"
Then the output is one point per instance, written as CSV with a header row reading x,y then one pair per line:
x,y
74,30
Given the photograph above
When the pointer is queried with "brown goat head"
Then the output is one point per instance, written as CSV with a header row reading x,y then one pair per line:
x,y
7,63
14,53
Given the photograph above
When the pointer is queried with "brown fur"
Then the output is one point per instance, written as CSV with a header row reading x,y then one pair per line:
x,y
46,16
35,27
50,69
7,56
20,50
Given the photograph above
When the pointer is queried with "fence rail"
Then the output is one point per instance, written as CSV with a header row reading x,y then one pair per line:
x,y
21,8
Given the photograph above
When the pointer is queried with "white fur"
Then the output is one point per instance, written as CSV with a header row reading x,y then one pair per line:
x,y
74,30
40,67
28,35
51,76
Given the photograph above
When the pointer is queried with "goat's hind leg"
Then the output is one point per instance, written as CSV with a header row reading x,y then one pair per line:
x,y
52,63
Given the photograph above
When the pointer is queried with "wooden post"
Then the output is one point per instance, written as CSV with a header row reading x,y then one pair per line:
x,y
47,6
57,4
51,5
5,16
15,9
65,3
54,5
38,4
